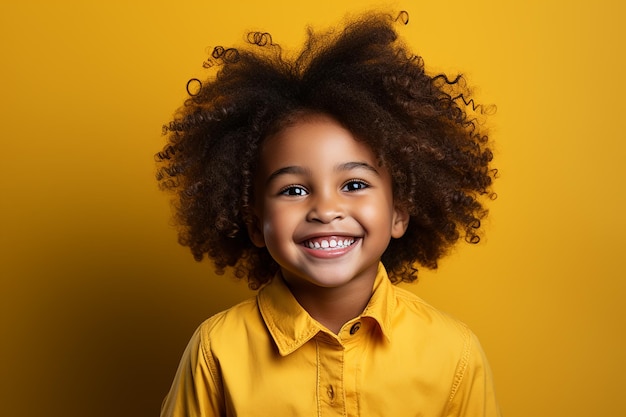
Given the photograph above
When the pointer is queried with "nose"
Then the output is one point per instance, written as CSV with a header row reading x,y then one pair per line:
x,y
325,208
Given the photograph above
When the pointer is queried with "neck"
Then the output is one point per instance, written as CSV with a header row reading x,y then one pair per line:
x,y
333,307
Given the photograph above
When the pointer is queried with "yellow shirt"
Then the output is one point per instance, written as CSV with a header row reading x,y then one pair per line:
x,y
267,357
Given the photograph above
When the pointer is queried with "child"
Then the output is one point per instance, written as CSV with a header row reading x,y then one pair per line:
x,y
322,180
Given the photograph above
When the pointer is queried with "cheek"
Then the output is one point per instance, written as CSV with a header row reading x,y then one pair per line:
x,y
277,224
370,214
376,214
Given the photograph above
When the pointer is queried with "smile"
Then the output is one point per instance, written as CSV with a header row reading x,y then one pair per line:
x,y
328,243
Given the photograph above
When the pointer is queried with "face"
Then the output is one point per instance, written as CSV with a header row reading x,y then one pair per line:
x,y
324,205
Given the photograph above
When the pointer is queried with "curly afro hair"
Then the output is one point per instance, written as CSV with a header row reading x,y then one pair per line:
x,y
424,129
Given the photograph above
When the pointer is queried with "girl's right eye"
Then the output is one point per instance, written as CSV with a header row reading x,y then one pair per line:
x,y
293,190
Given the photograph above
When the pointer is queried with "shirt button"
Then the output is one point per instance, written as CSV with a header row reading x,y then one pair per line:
x,y
355,328
331,393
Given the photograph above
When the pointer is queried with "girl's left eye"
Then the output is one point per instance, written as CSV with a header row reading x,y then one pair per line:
x,y
355,185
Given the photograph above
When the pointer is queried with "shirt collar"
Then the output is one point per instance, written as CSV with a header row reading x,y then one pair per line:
x,y
291,326
383,302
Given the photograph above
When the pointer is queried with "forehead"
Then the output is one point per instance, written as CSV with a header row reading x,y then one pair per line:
x,y
314,141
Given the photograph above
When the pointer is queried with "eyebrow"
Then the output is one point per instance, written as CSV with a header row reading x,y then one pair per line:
x,y
287,170
298,170
349,166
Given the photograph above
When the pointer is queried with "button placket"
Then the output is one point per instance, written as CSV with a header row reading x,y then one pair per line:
x,y
330,358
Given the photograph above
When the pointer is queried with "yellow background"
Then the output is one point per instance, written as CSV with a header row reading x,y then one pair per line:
x,y
97,300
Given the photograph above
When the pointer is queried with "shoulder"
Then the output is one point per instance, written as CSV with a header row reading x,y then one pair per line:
x,y
230,319
443,339
198,385
413,311
408,299
231,328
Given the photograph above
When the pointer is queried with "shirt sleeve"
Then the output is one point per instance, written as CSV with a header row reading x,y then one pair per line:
x,y
196,390
473,393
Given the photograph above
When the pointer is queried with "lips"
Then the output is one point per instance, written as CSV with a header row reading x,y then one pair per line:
x,y
329,242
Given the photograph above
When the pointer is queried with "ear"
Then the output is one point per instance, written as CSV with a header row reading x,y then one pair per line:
x,y
399,222
255,231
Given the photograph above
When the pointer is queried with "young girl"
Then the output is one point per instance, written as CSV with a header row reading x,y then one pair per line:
x,y
322,180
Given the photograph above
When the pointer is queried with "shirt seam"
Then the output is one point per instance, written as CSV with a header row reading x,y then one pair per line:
x,y
208,358
463,363
319,381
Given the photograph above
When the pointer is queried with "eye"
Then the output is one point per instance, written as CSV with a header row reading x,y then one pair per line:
x,y
293,190
355,185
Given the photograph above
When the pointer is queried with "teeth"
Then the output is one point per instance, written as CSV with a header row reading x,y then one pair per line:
x,y
329,244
